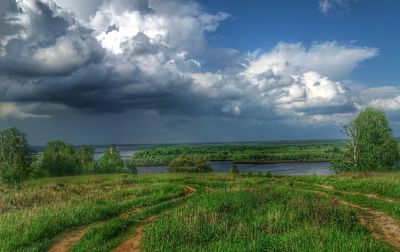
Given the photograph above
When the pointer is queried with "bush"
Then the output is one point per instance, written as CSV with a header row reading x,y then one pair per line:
x,y
59,160
130,167
234,169
111,161
189,163
85,158
15,156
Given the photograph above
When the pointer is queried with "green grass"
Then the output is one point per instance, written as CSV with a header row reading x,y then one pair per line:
x,y
382,184
227,213
263,217
304,151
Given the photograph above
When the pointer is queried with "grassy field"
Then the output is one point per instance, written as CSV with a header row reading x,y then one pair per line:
x,y
301,151
203,212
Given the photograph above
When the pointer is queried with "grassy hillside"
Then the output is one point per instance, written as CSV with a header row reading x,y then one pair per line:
x,y
203,212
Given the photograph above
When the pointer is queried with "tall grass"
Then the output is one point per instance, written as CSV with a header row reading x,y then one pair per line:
x,y
260,218
227,213
382,184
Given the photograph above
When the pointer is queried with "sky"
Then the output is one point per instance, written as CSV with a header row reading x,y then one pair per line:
x,y
175,71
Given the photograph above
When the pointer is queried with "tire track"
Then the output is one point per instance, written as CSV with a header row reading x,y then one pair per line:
x,y
382,226
133,243
65,242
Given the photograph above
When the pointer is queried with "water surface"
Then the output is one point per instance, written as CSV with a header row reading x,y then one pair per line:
x,y
318,168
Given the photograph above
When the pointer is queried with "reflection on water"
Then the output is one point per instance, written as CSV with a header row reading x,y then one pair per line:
x,y
318,168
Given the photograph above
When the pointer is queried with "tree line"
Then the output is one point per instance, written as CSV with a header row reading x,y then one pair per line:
x,y
19,162
371,146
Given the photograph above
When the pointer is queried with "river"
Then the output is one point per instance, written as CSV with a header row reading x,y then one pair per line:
x,y
318,168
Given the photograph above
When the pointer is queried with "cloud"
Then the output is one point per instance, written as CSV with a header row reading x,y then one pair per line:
x,y
153,57
328,58
45,40
386,98
8,109
327,6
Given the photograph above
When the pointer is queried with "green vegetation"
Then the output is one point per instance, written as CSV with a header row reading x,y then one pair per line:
x,y
111,161
234,169
372,145
17,161
85,157
59,159
385,185
189,163
304,151
204,212
262,217
226,213
15,156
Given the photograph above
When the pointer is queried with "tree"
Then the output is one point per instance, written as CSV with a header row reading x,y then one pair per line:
x,y
371,144
189,163
85,158
59,159
15,156
111,161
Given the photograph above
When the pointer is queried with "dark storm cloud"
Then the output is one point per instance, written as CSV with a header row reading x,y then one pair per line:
x,y
52,58
153,56
45,42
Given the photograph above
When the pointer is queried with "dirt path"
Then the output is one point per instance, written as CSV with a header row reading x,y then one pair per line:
x,y
381,225
66,241
133,243
369,195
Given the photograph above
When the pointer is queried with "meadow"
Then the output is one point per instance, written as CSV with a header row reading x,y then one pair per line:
x,y
202,212
262,152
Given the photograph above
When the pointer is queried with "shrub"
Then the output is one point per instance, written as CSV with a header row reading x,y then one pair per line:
x,y
130,167
59,159
111,161
189,163
85,158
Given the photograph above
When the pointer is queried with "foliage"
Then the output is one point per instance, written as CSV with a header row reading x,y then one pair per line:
x,y
130,167
234,169
111,161
371,144
15,156
59,159
303,151
85,158
189,163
